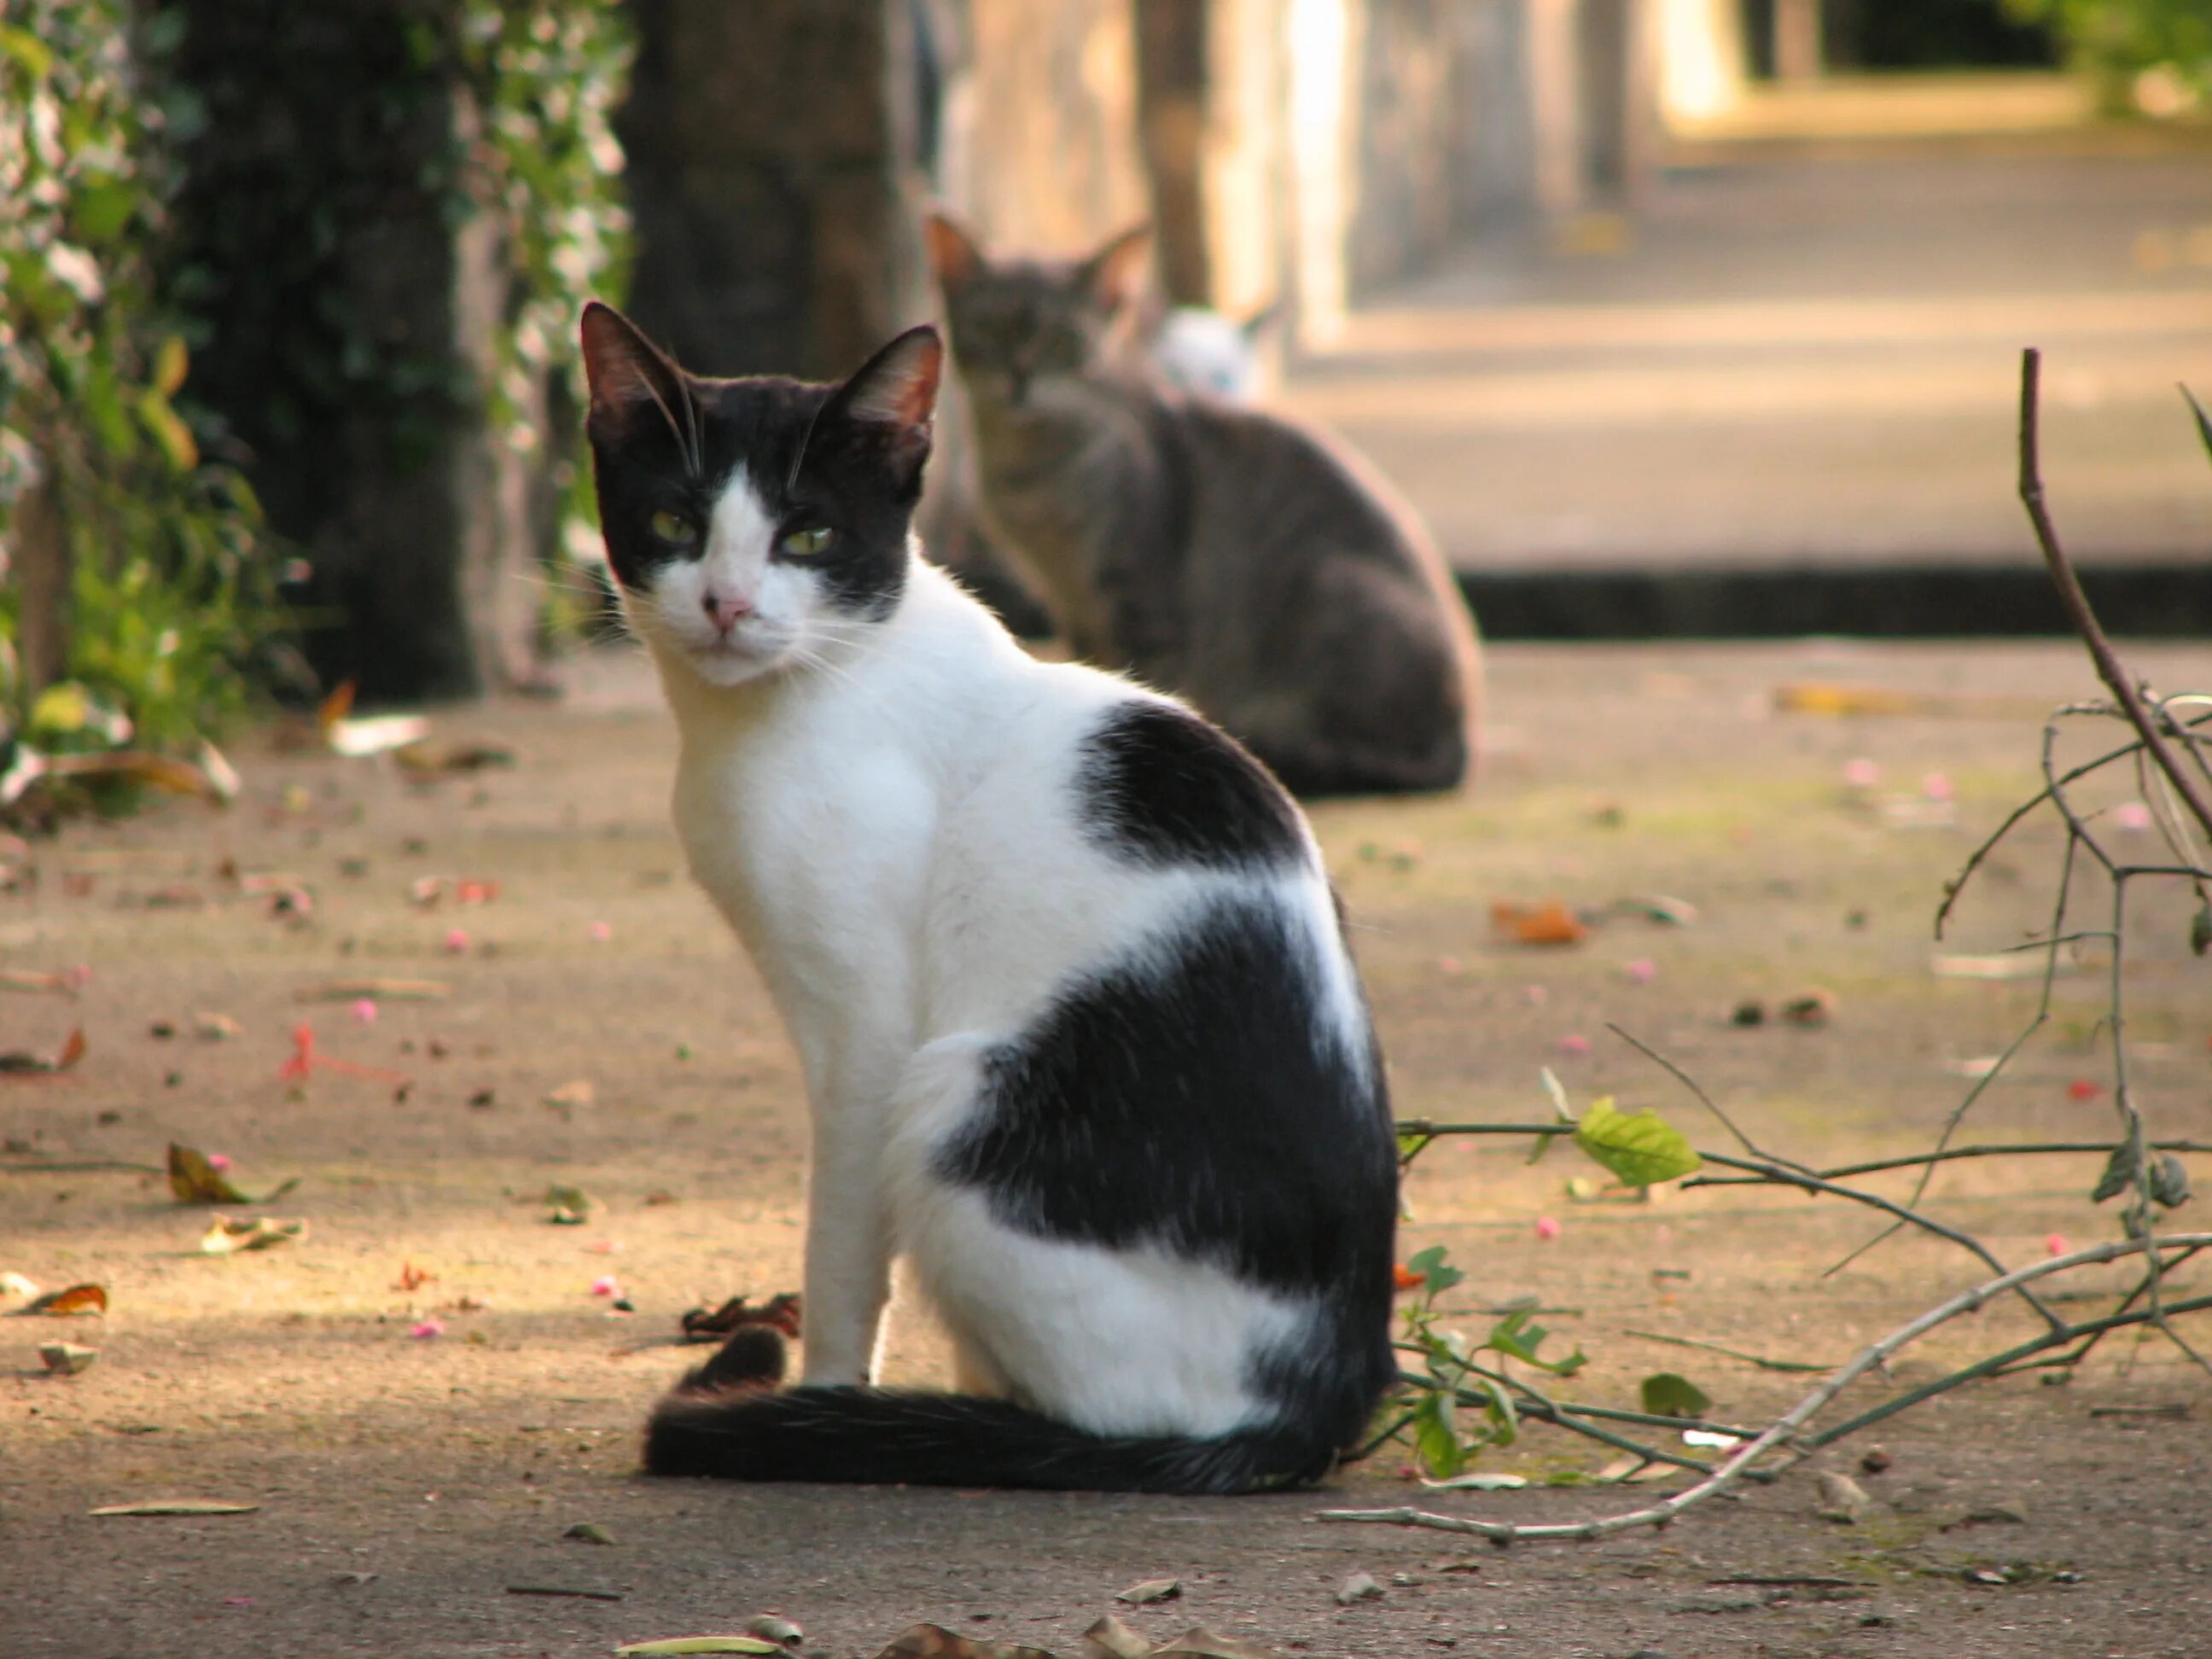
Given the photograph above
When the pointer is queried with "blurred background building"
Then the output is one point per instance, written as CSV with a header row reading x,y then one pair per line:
x,y
1672,315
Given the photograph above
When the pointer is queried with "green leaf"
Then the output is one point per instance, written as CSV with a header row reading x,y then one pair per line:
x,y
2169,1182
102,209
1505,1420
2119,1173
27,49
1435,1437
1518,1336
170,363
1667,1394
1640,1149
1439,1274
2203,421
2200,929
170,434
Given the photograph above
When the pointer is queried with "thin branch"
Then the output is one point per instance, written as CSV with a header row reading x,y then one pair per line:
x,y
1876,1166
1782,1432
2110,669
1692,1085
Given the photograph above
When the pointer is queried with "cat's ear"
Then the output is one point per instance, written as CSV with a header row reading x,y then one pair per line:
x,y
954,258
627,372
893,394
1115,275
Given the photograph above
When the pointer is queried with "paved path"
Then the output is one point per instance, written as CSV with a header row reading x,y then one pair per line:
x,y
1806,357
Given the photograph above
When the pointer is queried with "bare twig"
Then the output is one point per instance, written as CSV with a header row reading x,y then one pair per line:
x,y
1692,1085
1782,1434
2109,667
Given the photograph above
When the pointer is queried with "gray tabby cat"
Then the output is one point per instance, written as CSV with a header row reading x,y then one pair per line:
x,y
1210,550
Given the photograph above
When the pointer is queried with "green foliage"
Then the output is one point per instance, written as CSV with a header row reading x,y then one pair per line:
x,y
171,598
1445,1432
546,75
2122,41
1640,1149
1666,1394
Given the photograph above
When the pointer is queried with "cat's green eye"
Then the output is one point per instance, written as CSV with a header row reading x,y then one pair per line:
x,y
808,542
674,529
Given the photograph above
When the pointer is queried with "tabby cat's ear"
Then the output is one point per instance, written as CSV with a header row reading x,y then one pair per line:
x,y
954,258
893,394
627,372
1115,275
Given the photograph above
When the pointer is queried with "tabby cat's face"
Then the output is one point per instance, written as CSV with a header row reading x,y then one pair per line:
x,y
755,524
1021,326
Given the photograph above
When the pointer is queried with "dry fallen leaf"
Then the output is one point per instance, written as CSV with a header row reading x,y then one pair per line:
x,y
21,1063
570,1096
1109,1638
1359,1587
215,1028
2011,964
78,1299
177,1506
412,1278
1549,923
589,1532
1149,1591
429,756
26,979
935,1642
196,1181
388,990
770,1628
569,1206
1200,1643
225,1236
780,1311
66,1358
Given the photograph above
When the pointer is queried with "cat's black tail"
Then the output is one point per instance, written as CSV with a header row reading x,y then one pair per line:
x,y
884,1436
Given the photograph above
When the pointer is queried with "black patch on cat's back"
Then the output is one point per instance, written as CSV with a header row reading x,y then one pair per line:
x,y
1160,785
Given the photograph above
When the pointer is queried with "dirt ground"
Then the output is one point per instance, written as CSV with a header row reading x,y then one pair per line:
x,y
405,1482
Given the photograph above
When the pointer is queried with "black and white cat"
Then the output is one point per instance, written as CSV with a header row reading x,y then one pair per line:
x,y
1081,1036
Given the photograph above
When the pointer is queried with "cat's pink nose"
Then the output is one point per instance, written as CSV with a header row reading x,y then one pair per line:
x,y
724,611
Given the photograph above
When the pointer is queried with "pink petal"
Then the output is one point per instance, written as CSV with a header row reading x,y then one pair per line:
x,y
601,932
2131,814
1535,995
1448,964
2056,1244
457,940
364,1010
605,1285
218,1161
1642,971
1574,1044
1546,1228
77,975
1937,785
1862,773
429,1329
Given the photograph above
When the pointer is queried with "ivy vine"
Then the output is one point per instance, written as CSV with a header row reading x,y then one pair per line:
x,y
170,599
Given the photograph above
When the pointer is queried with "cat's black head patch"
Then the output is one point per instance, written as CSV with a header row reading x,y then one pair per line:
x,y
843,457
